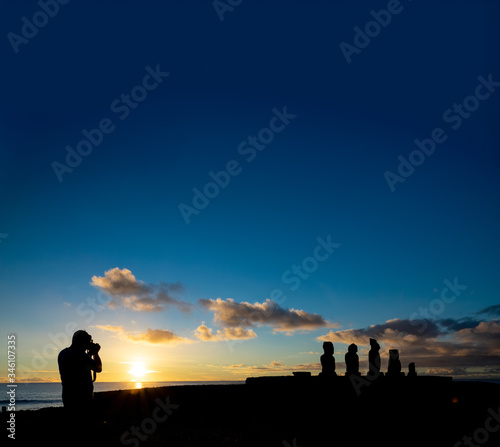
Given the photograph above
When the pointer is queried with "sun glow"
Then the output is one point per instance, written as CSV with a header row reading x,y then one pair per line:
x,y
138,371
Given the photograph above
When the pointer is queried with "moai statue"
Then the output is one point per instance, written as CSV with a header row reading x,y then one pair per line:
x,y
394,368
411,370
374,358
352,361
328,360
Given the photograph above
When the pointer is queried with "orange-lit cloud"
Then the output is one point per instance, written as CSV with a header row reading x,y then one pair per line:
x,y
446,371
153,336
205,333
125,290
274,366
229,313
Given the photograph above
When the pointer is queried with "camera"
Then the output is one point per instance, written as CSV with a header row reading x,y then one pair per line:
x,y
93,348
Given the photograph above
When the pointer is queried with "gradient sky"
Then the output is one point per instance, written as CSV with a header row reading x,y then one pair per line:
x,y
186,296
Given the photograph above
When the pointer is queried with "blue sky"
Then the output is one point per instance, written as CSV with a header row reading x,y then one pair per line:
x,y
324,174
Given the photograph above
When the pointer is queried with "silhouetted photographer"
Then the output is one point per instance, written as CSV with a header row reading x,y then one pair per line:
x,y
78,366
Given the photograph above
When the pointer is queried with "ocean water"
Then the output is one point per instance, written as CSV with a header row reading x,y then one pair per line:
x,y
33,396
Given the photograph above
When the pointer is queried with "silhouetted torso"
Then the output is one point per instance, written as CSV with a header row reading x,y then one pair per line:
x,y
75,367
374,358
328,360
411,370
327,364
352,361
394,368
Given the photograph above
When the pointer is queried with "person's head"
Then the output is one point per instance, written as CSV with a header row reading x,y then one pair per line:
x,y
352,348
81,339
328,347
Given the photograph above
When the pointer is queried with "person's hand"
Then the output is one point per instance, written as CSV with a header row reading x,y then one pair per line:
x,y
94,348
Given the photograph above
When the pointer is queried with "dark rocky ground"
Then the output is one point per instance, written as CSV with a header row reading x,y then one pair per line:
x,y
286,411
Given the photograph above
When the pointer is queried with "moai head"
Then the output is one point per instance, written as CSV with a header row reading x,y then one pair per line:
x,y
411,369
394,354
328,347
374,345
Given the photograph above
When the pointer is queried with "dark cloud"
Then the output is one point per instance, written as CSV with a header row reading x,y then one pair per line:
x,y
395,329
491,310
446,343
229,313
453,325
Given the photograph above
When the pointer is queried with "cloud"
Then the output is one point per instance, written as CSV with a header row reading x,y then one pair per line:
x,y
484,337
307,367
446,372
229,313
395,330
158,336
205,333
110,328
491,310
127,291
453,325
274,366
152,336
38,379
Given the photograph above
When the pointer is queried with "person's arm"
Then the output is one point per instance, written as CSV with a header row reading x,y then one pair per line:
x,y
97,363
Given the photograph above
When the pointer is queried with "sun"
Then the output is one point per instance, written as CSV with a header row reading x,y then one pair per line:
x,y
138,370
